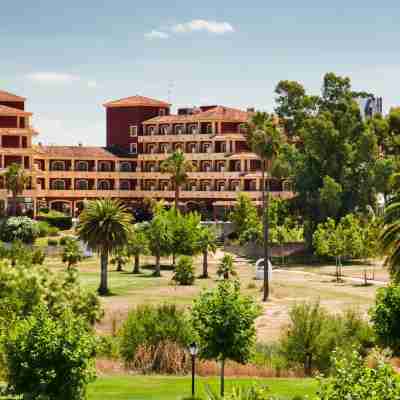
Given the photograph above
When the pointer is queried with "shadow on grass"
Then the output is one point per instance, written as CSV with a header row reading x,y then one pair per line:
x,y
163,267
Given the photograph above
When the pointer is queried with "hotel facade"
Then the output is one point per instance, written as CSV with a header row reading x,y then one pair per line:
x,y
141,134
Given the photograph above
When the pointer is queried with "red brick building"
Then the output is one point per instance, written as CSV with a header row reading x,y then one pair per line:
x,y
141,133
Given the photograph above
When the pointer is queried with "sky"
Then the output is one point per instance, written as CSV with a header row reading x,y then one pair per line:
x,y
68,58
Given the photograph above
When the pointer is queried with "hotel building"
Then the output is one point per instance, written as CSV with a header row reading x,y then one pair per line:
x,y
141,133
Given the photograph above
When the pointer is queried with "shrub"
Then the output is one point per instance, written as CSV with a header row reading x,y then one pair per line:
x,y
184,271
43,228
107,347
352,379
52,242
65,239
53,231
226,267
313,334
41,352
150,329
385,316
57,219
38,257
19,228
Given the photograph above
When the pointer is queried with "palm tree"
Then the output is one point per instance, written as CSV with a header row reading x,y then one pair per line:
x,y
226,267
206,244
390,238
16,182
105,226
72,253
264,138
137,245
178,167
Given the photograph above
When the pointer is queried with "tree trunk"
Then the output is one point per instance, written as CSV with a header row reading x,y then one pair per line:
x,y
157,271
136,268
173,259
308,365
266,233
103,288
205,264
177,189
14,205
222,377
119,267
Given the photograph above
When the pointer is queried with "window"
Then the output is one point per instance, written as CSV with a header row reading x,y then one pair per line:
x,y
209,129
58,184
151,130
162,112
179,129
58,166
124,185
133,148
82,166
82,184
164,129
125,167
104,166
104,185
133,130
193,129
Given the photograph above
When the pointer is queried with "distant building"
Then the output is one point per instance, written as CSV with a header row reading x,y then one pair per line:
x,y
370,106
141,133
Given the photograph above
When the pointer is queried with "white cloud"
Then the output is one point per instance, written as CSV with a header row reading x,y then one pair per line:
x,y
156,35
57,78
52,77
203,25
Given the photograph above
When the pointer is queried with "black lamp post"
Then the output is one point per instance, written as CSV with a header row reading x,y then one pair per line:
x,y
193,352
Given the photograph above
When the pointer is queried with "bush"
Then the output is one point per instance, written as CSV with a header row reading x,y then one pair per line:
x,y
65,239
43,228
52,242
50,358
152,334
38,257
184,271
385,316
352,379
313,334
57,219
19,228
107,347
53,231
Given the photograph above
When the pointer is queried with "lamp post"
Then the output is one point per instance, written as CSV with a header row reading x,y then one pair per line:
x,y
193,349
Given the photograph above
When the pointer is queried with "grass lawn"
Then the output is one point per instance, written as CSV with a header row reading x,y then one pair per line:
x,y
174,388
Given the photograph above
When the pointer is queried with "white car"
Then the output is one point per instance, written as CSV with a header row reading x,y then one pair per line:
x,y
260,269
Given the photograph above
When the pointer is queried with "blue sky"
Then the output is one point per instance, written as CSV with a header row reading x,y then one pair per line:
x,y
68,58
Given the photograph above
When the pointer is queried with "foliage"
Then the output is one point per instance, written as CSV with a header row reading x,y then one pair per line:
x,y
38,256
184,271
49,357
226,267
120,259
206,243
52,242
105,225
137,245
313,334
19,228
352,379
150,327
65,239
53,231
16,181
23,289
224,321
72,252
244,214
43,228
385,316
56,219
390,238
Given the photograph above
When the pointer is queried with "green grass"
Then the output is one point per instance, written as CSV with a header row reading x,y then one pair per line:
x,y
175,388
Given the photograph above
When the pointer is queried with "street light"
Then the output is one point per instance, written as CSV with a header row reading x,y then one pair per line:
x,y
193,350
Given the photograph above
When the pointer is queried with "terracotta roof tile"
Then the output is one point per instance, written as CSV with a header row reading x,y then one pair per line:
x,y
83,152
6,96
136,101
4,110
218,113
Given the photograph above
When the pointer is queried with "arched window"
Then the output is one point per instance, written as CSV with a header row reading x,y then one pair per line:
x,y
179,129
58,184
82,184
105,166
126,167
124,185
82,166
58,166
103,185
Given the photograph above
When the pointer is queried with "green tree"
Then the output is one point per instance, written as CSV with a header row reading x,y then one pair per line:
x,y
178,167
226,267
105,226
50,358
244,214
120,259
184,271
137,245
207,243
330,196
385,316
390,238
159,236
224,321
265,139
72,253
16,181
